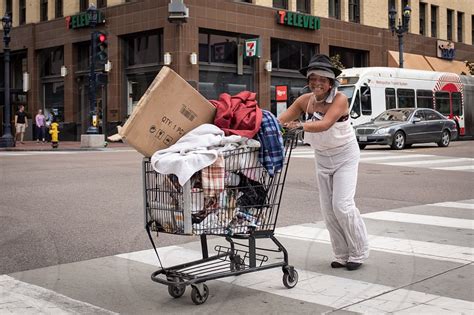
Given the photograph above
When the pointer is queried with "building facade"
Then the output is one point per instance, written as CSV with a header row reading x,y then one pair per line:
x,y
221,46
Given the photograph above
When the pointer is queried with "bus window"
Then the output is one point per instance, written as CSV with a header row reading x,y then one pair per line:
x,y
348,91
424,99
406,98
366,100
457,108
355,111
390,101
442,103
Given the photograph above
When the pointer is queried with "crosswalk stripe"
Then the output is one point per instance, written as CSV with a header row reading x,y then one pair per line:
x,y
450,204
322,289
19,297
438,161
456,168
458,254
395,157
420,219
31,153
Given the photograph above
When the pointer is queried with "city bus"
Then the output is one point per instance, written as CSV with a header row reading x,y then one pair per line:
x,y
373,90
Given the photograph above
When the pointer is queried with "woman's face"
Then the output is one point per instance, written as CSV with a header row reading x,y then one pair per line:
x,y
319,85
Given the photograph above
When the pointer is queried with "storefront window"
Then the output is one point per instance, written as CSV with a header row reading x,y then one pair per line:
x,y
219,70
350,58
137,86
290,55
51,61
145,48
83,54
54,100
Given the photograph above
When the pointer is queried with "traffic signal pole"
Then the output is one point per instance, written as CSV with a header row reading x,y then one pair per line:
x,y
93,129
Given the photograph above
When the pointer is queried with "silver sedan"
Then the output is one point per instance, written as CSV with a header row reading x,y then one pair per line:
x,y
402,127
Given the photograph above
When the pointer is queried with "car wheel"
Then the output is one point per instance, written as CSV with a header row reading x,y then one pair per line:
x,y
362,146
445,139
398,141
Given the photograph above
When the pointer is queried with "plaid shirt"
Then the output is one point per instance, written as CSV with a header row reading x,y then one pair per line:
x,y
272,152
213,178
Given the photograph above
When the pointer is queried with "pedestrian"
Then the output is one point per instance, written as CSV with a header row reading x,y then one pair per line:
x,y
328,130
40,126
21,123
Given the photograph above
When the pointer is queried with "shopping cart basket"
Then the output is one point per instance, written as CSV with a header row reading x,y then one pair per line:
x,y
243,204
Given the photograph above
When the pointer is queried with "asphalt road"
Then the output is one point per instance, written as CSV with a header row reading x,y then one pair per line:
x,y
74,206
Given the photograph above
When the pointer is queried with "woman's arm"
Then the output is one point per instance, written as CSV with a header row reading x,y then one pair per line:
x,y
294,111
337,109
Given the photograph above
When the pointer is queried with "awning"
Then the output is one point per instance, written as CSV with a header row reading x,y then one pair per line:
x,y
420,62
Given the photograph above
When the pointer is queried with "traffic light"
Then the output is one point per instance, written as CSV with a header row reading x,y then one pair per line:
x,y
101,55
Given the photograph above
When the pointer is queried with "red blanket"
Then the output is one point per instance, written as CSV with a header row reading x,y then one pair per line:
x,y
238,114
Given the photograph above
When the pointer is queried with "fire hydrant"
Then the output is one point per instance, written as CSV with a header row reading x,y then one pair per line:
x,y
54,132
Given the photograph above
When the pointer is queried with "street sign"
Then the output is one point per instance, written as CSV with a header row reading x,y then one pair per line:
x,y
281,93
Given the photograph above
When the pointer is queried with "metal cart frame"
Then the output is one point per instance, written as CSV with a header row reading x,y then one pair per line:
x,y
235,259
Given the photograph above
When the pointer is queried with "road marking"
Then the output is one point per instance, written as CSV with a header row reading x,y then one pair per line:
x,y
322,289
19,297
421,219
458,254
437,161
451,204
456,168
395,157
30,153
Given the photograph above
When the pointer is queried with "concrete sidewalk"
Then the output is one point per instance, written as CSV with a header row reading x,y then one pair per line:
x,y
63,146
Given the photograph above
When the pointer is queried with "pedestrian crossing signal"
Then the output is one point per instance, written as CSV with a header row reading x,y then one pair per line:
x,y
101,53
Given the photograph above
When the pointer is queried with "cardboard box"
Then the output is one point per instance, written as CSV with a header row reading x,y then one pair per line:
x,y
169,109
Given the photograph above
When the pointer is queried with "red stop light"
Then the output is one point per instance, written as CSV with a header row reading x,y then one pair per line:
x,y
102,37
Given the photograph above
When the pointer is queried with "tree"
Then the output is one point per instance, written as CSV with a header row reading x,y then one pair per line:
x,y
336,61
470,66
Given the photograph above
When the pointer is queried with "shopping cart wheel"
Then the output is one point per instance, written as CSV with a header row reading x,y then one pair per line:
x,y
290,278
176,291
197,297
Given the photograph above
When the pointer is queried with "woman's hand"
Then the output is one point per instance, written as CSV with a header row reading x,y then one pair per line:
x,y
293,125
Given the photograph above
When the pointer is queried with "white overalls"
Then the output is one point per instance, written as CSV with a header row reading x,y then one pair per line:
x,y
337,159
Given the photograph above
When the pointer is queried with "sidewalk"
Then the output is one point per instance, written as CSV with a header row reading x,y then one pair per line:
x,y
63,146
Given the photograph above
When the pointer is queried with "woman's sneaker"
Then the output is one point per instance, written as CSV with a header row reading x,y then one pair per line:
x,y
353,265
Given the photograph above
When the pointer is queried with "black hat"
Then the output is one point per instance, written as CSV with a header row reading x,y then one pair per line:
x,y
320,62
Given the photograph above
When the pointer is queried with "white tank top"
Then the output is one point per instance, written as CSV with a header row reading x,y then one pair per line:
x,y
337,135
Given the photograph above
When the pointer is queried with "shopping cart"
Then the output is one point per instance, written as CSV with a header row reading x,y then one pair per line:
x,y
245,208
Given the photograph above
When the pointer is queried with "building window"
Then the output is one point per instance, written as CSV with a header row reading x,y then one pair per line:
x,y
422,18
335,9
303,6
290,55
391,4
51,61
434,21
59,8
472,29
101,3
44,10
219,63
22,12
83,5
449,24
280,4
145,48
8,8
460,26
354,11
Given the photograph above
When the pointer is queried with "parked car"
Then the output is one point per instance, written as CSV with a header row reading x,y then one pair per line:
x,y
402,127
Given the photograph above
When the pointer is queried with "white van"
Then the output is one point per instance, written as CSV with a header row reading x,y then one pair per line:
x,y
373,90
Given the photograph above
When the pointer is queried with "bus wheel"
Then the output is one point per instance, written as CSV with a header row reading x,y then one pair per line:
x,y
445,138
362,146
398,141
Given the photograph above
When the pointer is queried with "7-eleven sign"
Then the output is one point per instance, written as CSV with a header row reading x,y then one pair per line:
x,y
252,48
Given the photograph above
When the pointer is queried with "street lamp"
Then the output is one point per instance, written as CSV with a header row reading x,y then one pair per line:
x,y
401,28
92,17
7,139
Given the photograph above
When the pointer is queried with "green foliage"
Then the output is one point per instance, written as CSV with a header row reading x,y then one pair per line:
x,y
336,62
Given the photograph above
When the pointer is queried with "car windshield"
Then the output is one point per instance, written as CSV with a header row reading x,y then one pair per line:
x,y
395,115
348,91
